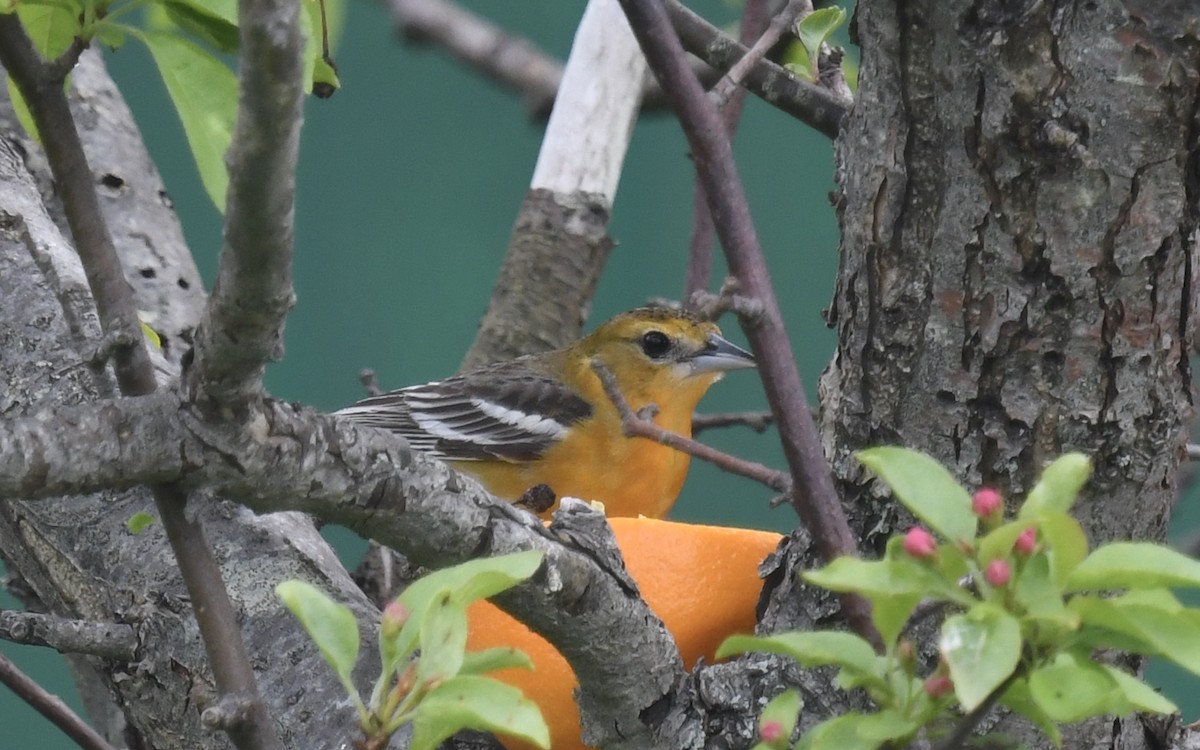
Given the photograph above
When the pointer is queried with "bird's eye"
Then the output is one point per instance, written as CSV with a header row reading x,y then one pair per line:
x,y
655,344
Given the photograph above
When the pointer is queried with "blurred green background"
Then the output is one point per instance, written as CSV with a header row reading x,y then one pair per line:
x,y
410,177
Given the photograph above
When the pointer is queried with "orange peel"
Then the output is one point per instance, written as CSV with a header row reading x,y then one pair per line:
x,y
702,581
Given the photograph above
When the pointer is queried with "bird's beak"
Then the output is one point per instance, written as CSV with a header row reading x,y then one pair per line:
x,y
720,355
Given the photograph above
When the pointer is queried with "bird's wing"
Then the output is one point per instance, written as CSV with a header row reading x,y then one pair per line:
x,y
510,413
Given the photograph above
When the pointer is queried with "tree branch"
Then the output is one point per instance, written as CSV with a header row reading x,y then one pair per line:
x,y
242,328
814,497
755,420
50,706
732,80
813,105
635,425
108,640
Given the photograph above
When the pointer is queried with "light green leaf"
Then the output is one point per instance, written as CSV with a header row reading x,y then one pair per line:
x,y
1058,486
784,709
1017,698
21,108
925,488
204,92
982,648
443,639
1071,689
1065,542
495,659
330,624
1140,696
810,649
471,702
839,733
1042,600
814,29
998,542
1134,565
52,28
210,22
1158,623
139,521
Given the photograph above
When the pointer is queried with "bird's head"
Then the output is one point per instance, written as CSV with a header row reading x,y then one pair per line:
x,y
652,348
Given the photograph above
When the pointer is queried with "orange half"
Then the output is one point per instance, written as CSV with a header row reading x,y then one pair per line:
x,y
702,581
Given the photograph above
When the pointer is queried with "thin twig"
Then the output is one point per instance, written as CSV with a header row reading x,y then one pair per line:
x,y
135,373
700,248
50,706
732,80
755,420
815,499
108,640
636,425
816,106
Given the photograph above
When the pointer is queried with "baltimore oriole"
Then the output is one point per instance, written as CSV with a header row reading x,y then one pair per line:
x,y
546,419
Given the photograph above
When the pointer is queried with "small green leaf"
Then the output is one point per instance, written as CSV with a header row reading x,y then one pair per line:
x,y
331,625
998,542
1042,600
1071,689
52,28
1158,623
1140,696
783,709
325,79
1058,486
204,92
839,733
207,22
138,522
443,640
21,108
470,702
814,29
796,61
982,648
1134,565
150,334
888,724
1065,542
810,649
495,659
925,488
1017,698
111,35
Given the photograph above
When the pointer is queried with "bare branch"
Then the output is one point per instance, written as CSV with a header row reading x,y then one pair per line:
x,y
813,105
814,497
108,640
758,421
242,327
732,79
637,426
50,706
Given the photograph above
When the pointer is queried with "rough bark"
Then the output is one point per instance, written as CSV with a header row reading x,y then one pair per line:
x,y
1018,202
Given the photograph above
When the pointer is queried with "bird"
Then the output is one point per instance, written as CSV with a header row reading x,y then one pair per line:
x,y
546,419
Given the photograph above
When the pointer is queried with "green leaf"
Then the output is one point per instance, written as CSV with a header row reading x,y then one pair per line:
x,y
1058,486
111,35
204,92
139,521
443,640
325,79
784,709
1134,565
998,542
1042,600
466,582
209,22
1065,541
52,28
21,108
810,649
495,659
1017,698
1140,696
470,702
1071,689
925,488
982,648
839,733
796,60
330,624
815,28
1158,623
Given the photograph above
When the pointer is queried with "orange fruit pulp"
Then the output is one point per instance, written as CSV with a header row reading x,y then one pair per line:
x,y
702,581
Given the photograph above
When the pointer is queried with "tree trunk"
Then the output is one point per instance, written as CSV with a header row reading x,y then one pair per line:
x,y
1018,204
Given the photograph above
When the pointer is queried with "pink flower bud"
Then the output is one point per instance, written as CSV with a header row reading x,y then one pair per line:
x,y
394,616
987,503
938,685
998,572
771,732
1026,543
920,543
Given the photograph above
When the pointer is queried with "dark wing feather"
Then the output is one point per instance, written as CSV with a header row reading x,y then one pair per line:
x,y
509,411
